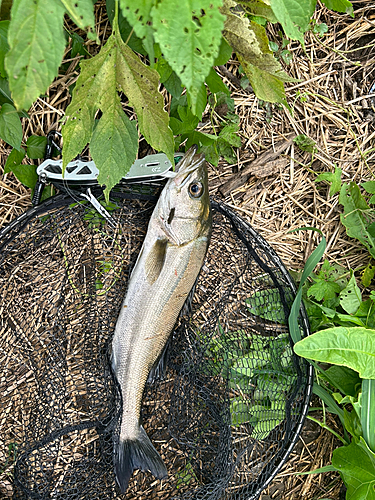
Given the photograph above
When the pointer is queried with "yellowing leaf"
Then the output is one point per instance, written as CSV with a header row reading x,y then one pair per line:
x,y
114,142
189,35
37,42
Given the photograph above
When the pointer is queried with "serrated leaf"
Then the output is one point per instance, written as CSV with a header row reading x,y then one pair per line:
x,y
116,68
323,290
189,35
15,158
201,101
294,16
10,126
81,12
352,347
259,8
357,216
339,6
36,146
351,297
126,31
334,178
4,46
138,15
36,39
114,143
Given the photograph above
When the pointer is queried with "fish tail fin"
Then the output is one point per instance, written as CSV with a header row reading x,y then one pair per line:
x,y
134,454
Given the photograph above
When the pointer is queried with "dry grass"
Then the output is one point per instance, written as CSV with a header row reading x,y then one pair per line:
x,y
332,104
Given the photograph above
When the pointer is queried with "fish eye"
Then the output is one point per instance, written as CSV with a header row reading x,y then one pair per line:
x,y
196,189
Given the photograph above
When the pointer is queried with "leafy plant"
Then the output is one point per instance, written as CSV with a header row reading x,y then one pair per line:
x,y
180,43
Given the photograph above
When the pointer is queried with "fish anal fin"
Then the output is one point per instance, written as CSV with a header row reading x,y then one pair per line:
x,y
155,260
158,370
137,454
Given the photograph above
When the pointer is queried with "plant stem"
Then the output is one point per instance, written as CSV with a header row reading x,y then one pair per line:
x,y
325,426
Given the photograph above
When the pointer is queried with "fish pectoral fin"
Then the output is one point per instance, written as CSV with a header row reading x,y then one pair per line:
x,y
134,454
157,372
155,260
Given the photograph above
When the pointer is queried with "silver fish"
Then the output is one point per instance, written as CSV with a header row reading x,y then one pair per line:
x,y
166,269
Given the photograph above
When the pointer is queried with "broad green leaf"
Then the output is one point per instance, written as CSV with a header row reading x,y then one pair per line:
x,y
15,158
10,126
241,411
26,174
358,216
334,178
351,297
305,143
189,35
115,68
258,8
352,423
215,83
81,12
339,6
294,16
36,39
344,379
368,412
352,347
78,46
200,100
138,15
163,68
36,146
356,464
173,85
269,419
4,47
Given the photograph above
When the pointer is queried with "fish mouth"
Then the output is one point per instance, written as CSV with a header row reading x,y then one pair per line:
x,y
190,163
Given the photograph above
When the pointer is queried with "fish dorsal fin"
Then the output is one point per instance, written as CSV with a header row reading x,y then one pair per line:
x,y
155,260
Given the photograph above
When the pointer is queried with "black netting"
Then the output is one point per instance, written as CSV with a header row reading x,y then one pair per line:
x,y
231,404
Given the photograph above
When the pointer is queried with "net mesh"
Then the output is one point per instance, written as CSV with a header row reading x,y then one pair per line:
x,y
232,401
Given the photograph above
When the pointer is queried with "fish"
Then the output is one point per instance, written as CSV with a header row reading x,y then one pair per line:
x,y
163,276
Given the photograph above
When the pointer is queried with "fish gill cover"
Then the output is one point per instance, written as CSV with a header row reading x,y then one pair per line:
x,y
230,405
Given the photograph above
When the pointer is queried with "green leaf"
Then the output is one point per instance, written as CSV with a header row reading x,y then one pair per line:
x,y
241,413
352,347
351,297
268,419
294,16
259,8
200,101
36,146
138,15
15,158
26,174
81,12
189,35
225,53
78,46
369,186
10,126
115,68
368,275
36,39
323,290
173,85
305,143
215,83
334,178
352,423
357,216
267,305
339,6
344,379
126,30
4,46
356,464
368,412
